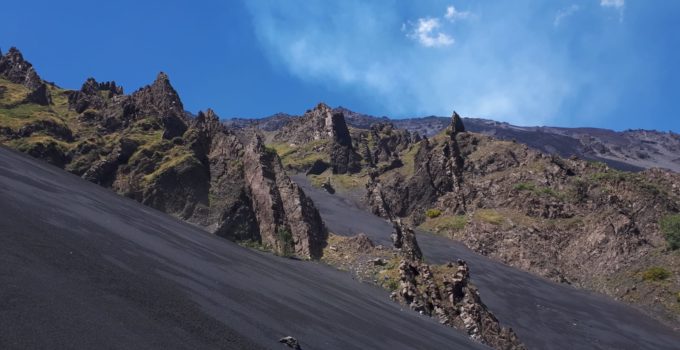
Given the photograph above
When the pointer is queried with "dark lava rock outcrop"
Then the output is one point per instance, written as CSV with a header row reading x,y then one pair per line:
x,y
404,239
451,298
438,169
16,69
320,126
93,95
288,219
381,145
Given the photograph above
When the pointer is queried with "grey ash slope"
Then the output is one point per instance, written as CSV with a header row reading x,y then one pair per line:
x,y
82,267
544,315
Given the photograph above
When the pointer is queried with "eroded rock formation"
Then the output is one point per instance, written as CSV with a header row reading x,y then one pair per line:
x,y
454,301
327,129
16,69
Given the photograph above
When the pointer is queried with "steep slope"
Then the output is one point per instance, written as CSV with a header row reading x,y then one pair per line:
x,y
85,268
145,146
544,314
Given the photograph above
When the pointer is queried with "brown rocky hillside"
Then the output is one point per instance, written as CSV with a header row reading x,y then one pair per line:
x,y
574,221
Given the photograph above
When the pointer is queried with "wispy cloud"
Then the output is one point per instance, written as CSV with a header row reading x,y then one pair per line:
x,y
453,15
618,5
613,3
507,67
564,13
425,32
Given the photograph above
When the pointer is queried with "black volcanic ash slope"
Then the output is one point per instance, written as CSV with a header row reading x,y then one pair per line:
x,y
545,315
85,268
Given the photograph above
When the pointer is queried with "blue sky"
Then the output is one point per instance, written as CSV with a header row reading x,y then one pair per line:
x,y
604,63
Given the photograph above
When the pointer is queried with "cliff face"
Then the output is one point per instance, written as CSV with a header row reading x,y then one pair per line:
x,y
146,147
288,219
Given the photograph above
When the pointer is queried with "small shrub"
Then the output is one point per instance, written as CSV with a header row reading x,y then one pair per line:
x,y
391,284
655,274
433,213
524,186
550,192
670,227
286,244
252,244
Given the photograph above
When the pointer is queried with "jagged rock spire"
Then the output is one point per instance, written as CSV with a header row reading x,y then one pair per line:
x,y
456,124
404,239
16,69
91,86
161,100
89,95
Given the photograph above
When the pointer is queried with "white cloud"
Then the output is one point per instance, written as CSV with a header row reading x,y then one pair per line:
x,y
453,15
564,13
425,32
618,4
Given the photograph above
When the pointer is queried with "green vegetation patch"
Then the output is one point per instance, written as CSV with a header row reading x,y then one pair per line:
x,y
340,182
655,274
408,159
489,216
178,157
299,157
25,144
14,93
445,224
388,277
670,227
433,213
539,190
524,186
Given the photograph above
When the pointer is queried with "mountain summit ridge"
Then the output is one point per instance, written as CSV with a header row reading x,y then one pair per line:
x,y
630,150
